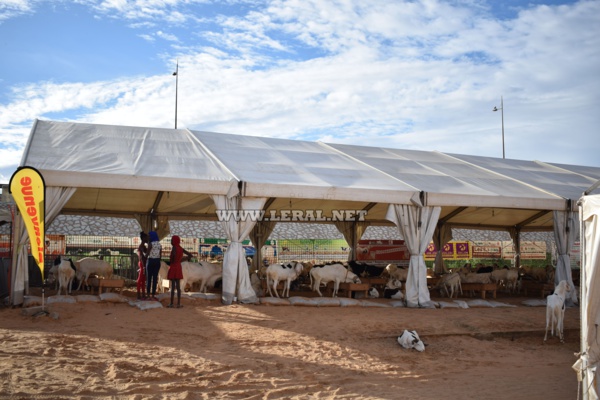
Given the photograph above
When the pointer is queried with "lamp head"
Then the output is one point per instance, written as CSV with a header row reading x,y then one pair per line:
x,y
495,109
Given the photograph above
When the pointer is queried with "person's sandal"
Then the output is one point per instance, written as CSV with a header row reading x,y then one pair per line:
x,y
170,306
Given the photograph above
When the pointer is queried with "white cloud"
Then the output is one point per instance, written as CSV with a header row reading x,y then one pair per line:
x,y
13,8
147,37
420,75
167,36
165,10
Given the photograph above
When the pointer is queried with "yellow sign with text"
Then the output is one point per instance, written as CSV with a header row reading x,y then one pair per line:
x,y
28,190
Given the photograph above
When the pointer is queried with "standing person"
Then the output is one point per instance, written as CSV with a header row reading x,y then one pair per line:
x,y
153,264
142,253
175,273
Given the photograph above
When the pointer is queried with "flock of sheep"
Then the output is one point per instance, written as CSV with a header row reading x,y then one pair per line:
x,y
448,284
64,271
206,274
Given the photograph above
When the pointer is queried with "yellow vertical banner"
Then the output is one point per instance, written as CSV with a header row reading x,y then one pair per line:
x,y
29,190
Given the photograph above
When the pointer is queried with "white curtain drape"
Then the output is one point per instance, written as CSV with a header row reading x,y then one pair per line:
x,y
56,198
19,272
566,229
416,225
515,236
589,359
236,277
259,235
352,232
441,236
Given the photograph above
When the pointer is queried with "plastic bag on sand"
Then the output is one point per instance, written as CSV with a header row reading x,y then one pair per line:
x,y
445,304
346,302
500,304
32,301
274,301
302,301
479,303
534,303
366,303
61,299
328,302
397,303
205,296
113,298
87,298
461,303
147,305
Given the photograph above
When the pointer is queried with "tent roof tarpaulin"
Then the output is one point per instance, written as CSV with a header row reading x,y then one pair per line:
x,y
120,170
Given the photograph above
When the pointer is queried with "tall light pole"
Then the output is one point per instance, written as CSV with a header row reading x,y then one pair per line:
x,y
502,112
176,75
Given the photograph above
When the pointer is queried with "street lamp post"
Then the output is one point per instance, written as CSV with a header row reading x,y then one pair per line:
x,y
176,75
501,112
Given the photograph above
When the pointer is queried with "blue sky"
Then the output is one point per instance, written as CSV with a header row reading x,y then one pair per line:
x,y
408,74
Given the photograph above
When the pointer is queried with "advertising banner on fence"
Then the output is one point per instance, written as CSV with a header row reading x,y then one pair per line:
x,y
487,249
389,251
530,250
452,250
28,190
56,244
575,255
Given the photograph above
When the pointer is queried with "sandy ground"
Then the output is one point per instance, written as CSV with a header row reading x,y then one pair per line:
x,y
206,350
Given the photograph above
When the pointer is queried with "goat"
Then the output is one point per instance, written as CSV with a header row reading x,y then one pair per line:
x,y
555,310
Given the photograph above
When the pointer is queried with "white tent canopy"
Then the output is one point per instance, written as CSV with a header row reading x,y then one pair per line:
x,y
154,174
589,356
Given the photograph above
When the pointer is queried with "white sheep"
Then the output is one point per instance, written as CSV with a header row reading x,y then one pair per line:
x,y
53,273
88,266
66,273
475,278
204,272
282,272
555,310
512,276
451,281
335,273
394,272
537,273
